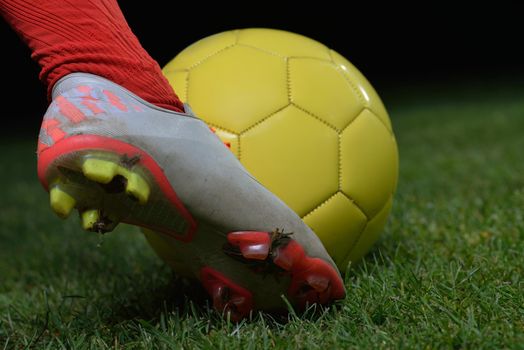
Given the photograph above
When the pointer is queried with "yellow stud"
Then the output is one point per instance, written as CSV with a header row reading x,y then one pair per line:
x,y
89,218
61,202
99,170
138,188
103,171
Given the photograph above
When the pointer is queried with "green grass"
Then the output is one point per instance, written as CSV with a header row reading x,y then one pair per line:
x,y
447,273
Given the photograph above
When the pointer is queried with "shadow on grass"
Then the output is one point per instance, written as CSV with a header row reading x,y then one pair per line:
x,y
183,297
189,300
158,298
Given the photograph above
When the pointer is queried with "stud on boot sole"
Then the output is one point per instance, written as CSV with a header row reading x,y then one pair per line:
x,y
313,280
105,171
62,203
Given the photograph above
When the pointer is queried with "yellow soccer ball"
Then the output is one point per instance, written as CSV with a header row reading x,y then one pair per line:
x,y
304,121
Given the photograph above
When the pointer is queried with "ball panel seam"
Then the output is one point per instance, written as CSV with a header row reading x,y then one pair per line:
x,y
355,88
166,71
199,62
187,88
352,120
272,53
323,203
359,237
390,131
310,58
288,81
216,126
311,114
261,121
354,202
339,160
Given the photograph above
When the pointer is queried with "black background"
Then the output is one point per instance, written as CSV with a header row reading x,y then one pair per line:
x,y
394,45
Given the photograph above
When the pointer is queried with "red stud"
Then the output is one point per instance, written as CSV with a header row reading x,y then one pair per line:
x,y
289,257
312,279
228,297
318,283
252,244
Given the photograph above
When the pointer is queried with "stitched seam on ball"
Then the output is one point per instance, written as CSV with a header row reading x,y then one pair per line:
x,y
170,71
315,116
339,140
197,63
263,119
354,202
352,120
221,128
288,80
340,164
359,237
187,87
238,148
366,104
166,71
237,35
272,53
319,206
382,122
357,91
331,55
229,131
312,58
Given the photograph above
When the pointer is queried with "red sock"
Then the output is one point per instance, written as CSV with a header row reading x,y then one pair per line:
x,y
89,36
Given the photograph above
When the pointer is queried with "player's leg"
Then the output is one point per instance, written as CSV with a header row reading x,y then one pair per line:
x,y
67,36
109,151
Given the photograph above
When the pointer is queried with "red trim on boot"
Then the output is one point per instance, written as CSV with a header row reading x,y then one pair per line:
x,y
227,295
100,143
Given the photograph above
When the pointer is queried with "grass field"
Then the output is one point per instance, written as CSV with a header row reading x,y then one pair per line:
x,y
447,273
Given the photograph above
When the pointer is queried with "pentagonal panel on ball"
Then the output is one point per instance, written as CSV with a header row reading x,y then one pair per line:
x,y
283,43
320,88
369,162
295,156
238,87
